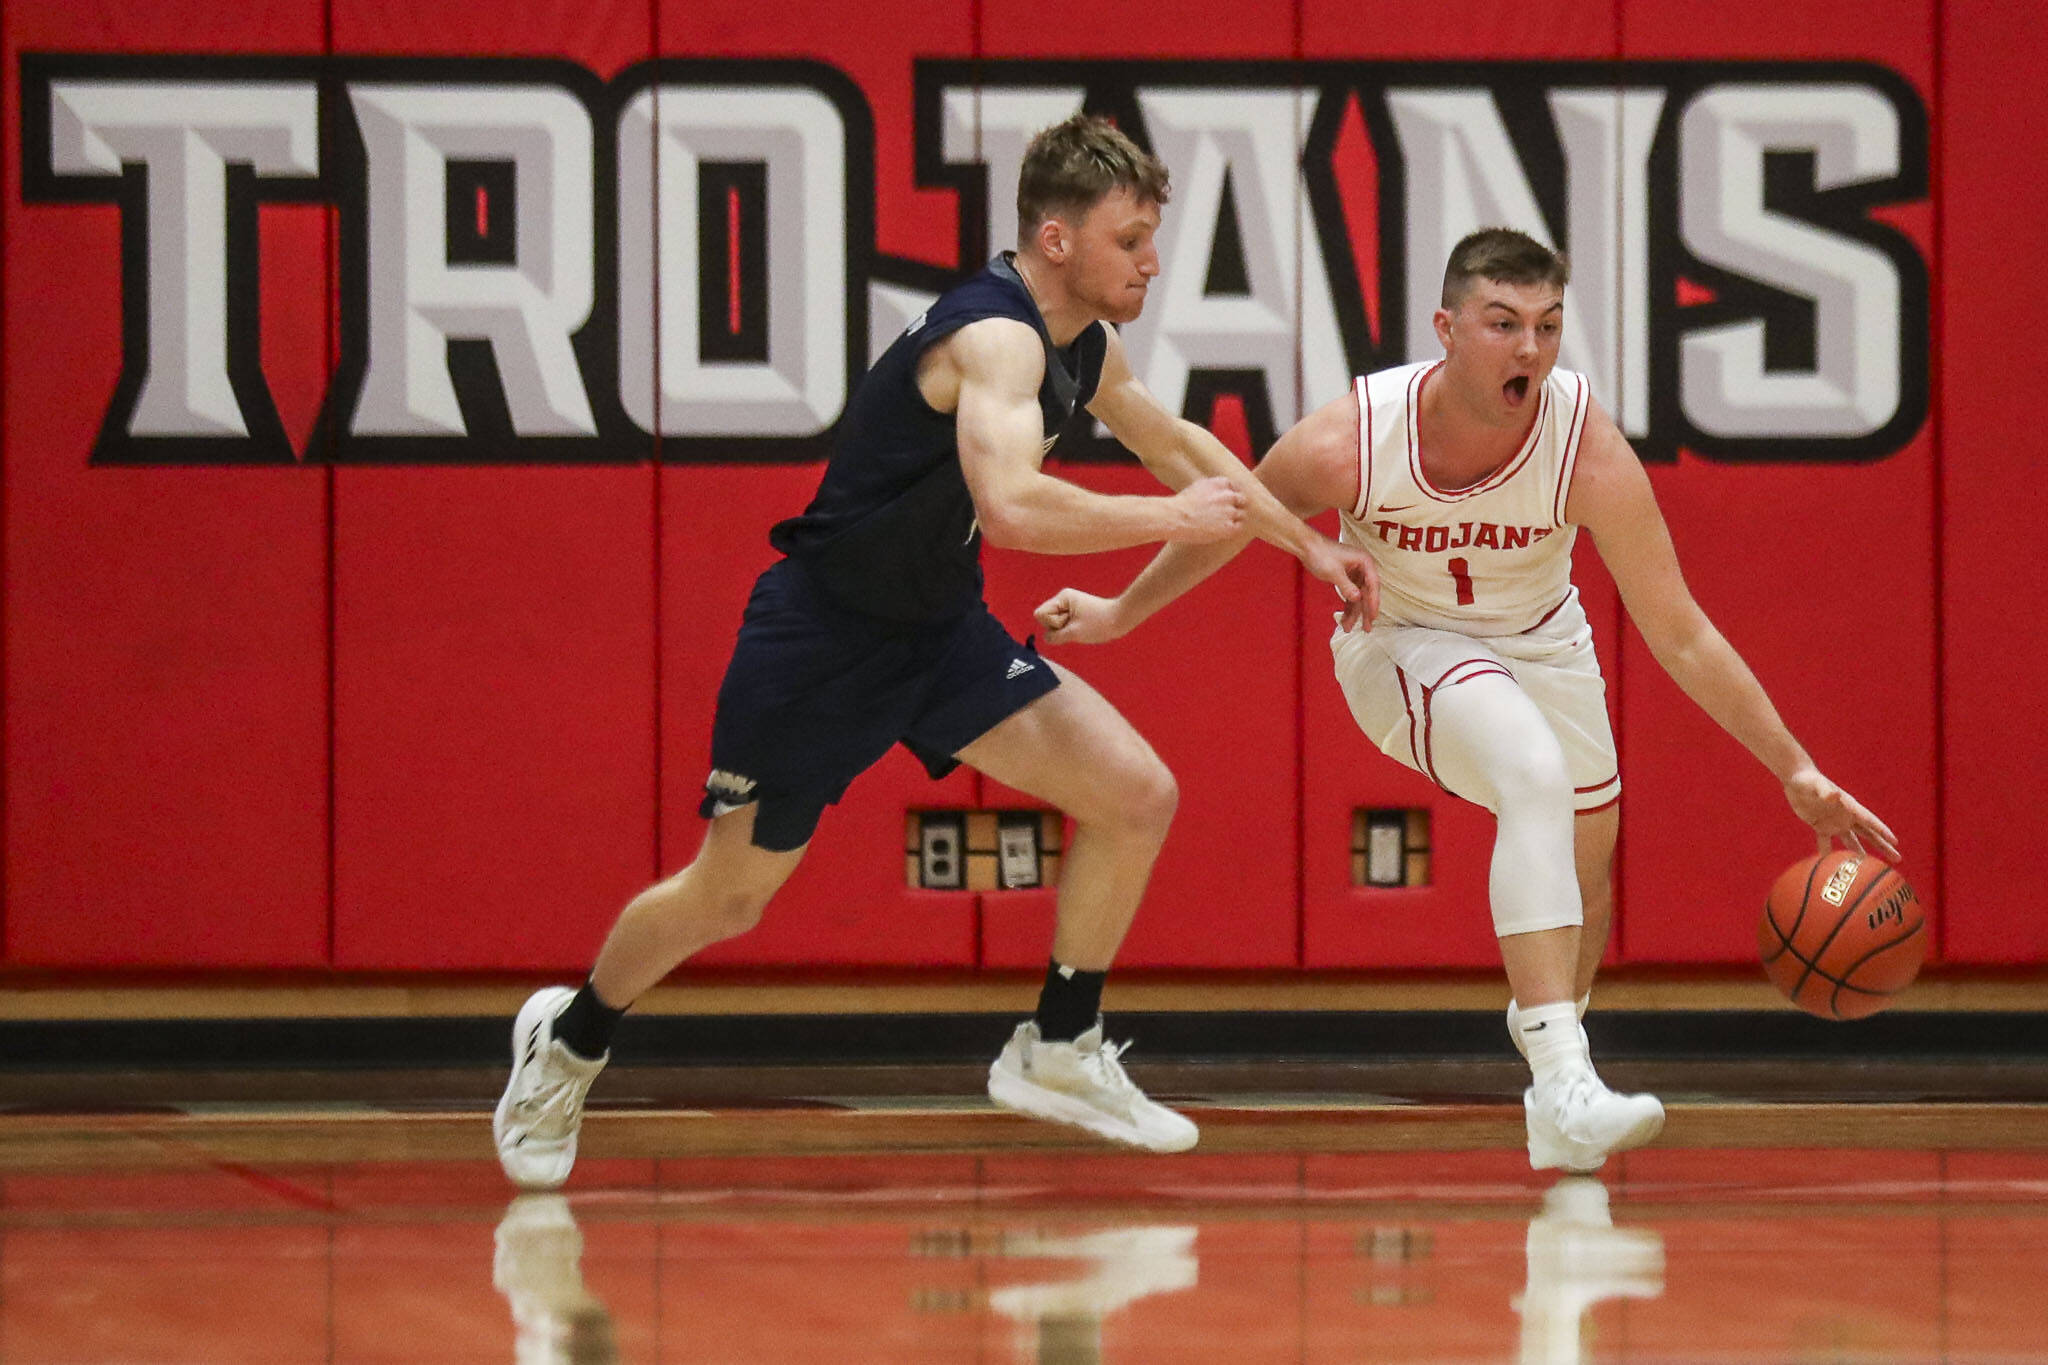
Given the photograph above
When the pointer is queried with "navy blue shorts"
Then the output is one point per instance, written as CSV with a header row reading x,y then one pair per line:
x,y
816,694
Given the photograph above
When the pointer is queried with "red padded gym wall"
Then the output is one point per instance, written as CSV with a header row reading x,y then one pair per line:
x,y
494,624
849,904
1994,759
1210,682
519,650
166,670
1820,573
1446,923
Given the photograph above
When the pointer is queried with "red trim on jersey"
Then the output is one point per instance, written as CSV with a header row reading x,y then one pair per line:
x,y
1581,402
1484,667
1428,750
1362,395
1424,752
1602,806
1412,418
1414,749
1581,791
1491,481
1548,614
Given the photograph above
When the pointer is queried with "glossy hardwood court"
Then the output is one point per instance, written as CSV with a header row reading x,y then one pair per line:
x,y
926,1227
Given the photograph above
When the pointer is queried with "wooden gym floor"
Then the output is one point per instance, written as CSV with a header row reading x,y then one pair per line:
x,y
1339,1209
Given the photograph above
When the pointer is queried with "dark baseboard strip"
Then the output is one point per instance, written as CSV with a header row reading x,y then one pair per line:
x,y
671,1040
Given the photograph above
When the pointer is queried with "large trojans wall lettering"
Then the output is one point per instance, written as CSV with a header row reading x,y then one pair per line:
x,y
520,242
582,320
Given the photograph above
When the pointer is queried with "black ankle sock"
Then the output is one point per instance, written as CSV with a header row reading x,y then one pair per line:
x,y
1069,1003
586,1024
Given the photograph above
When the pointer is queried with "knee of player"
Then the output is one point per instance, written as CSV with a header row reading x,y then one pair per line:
x,y
735,910
1596,894
711,912
1158,792
1146,797
1533,771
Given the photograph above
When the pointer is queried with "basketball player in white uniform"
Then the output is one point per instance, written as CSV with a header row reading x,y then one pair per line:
x,y
1467,480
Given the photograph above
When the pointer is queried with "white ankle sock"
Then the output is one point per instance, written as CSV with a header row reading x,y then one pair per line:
x,y
1515,1011
1550,1035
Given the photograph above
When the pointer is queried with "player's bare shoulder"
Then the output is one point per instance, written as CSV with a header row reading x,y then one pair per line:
x,y
1607,476
1003,353
1313,467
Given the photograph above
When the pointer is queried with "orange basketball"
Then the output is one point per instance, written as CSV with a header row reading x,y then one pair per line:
x,y
1842,934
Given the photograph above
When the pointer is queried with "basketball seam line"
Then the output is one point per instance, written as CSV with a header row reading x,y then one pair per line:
x,y
1841,986
1842,983
1815,969
1771,923
1848,911
1805,895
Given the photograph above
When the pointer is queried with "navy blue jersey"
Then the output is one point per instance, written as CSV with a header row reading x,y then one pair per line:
x,y
892,530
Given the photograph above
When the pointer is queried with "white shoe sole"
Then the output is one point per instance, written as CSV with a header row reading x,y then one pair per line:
x,y
1547,1153
1035,1101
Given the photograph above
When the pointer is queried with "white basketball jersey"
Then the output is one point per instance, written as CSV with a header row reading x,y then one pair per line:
x,y
1491,559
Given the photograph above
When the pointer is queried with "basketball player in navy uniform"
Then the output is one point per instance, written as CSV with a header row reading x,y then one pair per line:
x,y
872,631
1467,479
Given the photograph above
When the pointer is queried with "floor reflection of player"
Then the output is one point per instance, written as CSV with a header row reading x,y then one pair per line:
x,y
1062,1319
1578,1258
539,1270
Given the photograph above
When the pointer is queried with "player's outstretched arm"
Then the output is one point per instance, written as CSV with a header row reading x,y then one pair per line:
x,y
1611,497
1178,452
1307,471
990,371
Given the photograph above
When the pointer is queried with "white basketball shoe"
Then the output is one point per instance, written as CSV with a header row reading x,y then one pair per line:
x,y
537,1119
1084,1084
1575,1122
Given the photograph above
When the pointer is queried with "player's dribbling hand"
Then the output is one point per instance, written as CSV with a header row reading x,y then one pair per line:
x,y
1207,509
1350,570
1073,617
1834,814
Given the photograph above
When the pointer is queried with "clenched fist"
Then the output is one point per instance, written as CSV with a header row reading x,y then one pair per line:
x,y
1073,617
1207,509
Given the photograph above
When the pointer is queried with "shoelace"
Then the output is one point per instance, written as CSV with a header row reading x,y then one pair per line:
x,y
1579,1093
1103,1063
551,1109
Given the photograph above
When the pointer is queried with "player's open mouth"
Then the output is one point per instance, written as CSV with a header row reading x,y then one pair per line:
x,y
1516,389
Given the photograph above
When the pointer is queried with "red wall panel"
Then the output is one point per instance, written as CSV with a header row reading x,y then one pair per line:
x,y
1994,760
1210,683
1127,28
1458,30
1800,565
848,903
166,627
494,713
494,645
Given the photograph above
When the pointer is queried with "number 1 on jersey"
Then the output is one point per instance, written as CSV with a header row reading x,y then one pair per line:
x,y
1461,574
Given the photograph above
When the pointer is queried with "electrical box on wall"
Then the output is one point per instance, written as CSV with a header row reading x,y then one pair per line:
x,y
982,850
1390,847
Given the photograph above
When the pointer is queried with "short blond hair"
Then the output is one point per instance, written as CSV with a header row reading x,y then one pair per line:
x,y
1071,167
1504,255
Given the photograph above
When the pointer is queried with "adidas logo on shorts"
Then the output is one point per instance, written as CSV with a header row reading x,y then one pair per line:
x,y
1018,668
